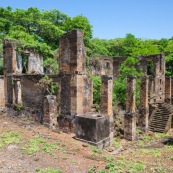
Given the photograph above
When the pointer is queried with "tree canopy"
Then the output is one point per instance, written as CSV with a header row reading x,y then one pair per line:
x,y
42,30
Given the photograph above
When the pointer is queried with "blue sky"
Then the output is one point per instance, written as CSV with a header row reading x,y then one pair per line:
x,y
113,18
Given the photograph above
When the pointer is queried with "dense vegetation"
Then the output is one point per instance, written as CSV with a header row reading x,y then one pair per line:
x,y
42,29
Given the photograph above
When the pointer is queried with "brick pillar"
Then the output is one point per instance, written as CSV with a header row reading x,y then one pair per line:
x,y
72,68
144,108
159,75
130,117
9,58
168,89
50,110
106,101
106,95
171,89
151,91
76,94
17,92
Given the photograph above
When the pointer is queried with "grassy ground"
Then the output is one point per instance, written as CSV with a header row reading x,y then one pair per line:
x,y
26,146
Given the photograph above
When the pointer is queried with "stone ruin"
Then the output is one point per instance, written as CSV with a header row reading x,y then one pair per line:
x,y
75,91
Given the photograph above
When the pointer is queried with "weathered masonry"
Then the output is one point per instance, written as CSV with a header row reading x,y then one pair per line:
x,y
155,93
71,109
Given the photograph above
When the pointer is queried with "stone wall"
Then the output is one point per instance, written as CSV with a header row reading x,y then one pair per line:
x,y
157,93
117,61
2,94
168,89
72,53
102,65
35,62
32,95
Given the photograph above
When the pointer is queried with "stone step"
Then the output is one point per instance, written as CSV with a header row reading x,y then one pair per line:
x,y
158,123
160,118
161,115
158,128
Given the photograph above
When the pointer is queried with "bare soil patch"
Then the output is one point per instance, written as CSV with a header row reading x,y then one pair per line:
x,y
28,147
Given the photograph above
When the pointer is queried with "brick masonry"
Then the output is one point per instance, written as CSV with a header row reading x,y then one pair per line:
x,y
2,94
144,106
130,115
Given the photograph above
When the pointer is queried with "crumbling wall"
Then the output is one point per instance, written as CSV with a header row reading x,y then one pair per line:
x,y
157,94
102,65
35,62
32,94
117,61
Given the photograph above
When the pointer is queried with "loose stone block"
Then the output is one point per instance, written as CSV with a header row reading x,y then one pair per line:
x,y
93,128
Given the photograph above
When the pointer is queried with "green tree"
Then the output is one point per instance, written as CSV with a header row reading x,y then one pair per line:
x,y
79,22
127,68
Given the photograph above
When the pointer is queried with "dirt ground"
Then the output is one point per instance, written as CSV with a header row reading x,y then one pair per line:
x,y
28,147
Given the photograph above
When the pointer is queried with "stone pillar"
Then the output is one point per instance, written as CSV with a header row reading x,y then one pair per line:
x,y
130,117
168,89
106,101
106,95
9,59
76,94
171,89
87,93
50,111
17,92
159,75
2,98
151,91
72,68
144,107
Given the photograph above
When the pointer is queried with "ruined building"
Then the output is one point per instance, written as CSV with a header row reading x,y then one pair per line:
x,y
75,92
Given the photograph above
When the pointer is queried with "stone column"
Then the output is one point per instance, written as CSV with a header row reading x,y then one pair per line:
x,y
130,117
17,91
50,111
144,108
106,95
9,58
151,91
106,101
76,94
72,69
168,89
